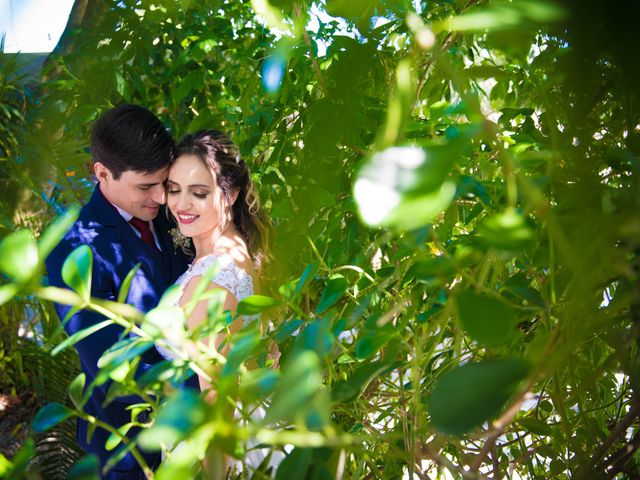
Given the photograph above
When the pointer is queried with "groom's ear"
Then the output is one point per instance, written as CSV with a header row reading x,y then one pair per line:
x,y
101,171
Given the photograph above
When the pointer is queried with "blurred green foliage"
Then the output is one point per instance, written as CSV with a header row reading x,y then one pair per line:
x,y
454,186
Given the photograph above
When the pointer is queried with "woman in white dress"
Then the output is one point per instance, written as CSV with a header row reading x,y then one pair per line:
x,y
211,196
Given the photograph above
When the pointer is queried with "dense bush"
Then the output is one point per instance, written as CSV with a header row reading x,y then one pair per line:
x,y
454,187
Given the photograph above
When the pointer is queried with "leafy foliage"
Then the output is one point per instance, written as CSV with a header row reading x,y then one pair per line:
x,y
455,191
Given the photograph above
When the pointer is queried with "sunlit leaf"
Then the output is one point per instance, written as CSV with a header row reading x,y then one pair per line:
x,y
76,271
19,255
126,283
182,413
400,104
168,322
502,15
80,335
507,231
404,187
124,350
54,233
76,390
7,292
255,304
115,438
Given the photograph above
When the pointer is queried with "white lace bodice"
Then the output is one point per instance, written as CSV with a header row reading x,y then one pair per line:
x,y
230,276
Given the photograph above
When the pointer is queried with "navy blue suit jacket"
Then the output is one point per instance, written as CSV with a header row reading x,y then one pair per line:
x,y
116,250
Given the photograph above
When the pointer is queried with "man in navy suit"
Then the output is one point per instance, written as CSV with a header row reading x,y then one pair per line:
x,y
131,151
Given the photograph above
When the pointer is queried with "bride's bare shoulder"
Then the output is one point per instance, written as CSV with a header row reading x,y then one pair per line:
x,y
236,248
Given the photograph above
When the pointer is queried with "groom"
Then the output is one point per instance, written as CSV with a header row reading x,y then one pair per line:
x,y
131,151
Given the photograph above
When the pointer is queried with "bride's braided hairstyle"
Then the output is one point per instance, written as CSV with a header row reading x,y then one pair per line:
x,y
218,152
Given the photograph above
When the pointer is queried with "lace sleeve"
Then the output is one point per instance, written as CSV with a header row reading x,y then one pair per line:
x,y
229,275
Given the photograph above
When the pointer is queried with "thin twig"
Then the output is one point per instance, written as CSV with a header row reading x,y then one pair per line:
x,y
622,456
307,40
619,430
500,424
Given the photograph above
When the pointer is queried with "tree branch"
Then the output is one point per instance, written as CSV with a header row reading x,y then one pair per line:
x,y
619,430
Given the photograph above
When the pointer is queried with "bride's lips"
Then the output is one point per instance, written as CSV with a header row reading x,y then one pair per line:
x,y
186,218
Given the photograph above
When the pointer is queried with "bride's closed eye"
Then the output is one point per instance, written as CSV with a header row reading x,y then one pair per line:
x,y
200,195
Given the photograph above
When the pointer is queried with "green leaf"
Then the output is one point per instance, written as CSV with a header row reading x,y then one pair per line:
x,y
401,104
485,319
49,416
82,334
115,438
531,295
8,292
19,466
295,465
335,289
301,379
87,468
76,271
58,228
471,394
167,321
244,345
76,390
292,289
507,231
348,390
126,284
19,255
177,418
286,329
316,336
171,296
539,427
258,383
405,187
255,304
505,15
371,341
307,275
123,351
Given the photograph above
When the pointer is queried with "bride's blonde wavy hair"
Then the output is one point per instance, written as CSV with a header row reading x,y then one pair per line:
x,y
219,153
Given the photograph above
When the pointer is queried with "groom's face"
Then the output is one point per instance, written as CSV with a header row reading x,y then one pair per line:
x,y
138,193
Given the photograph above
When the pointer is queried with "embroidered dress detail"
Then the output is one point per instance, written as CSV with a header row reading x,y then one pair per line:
x,y
229,275
238,282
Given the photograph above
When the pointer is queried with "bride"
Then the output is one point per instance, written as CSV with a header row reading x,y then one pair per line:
x,y
211,196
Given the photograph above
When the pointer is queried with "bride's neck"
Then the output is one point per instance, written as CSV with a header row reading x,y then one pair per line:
x,y
216,241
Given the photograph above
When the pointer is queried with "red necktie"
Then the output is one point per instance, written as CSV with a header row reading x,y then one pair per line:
x,y
145,231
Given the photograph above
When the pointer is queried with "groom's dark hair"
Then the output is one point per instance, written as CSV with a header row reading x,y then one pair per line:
x,y
130,137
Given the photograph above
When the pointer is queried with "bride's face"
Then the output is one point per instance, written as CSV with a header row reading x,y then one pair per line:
x,y
194,197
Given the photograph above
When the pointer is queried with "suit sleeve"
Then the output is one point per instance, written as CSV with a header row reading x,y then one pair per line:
x,y
91,348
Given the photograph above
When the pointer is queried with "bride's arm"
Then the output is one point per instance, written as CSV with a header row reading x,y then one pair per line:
x,y
199,314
